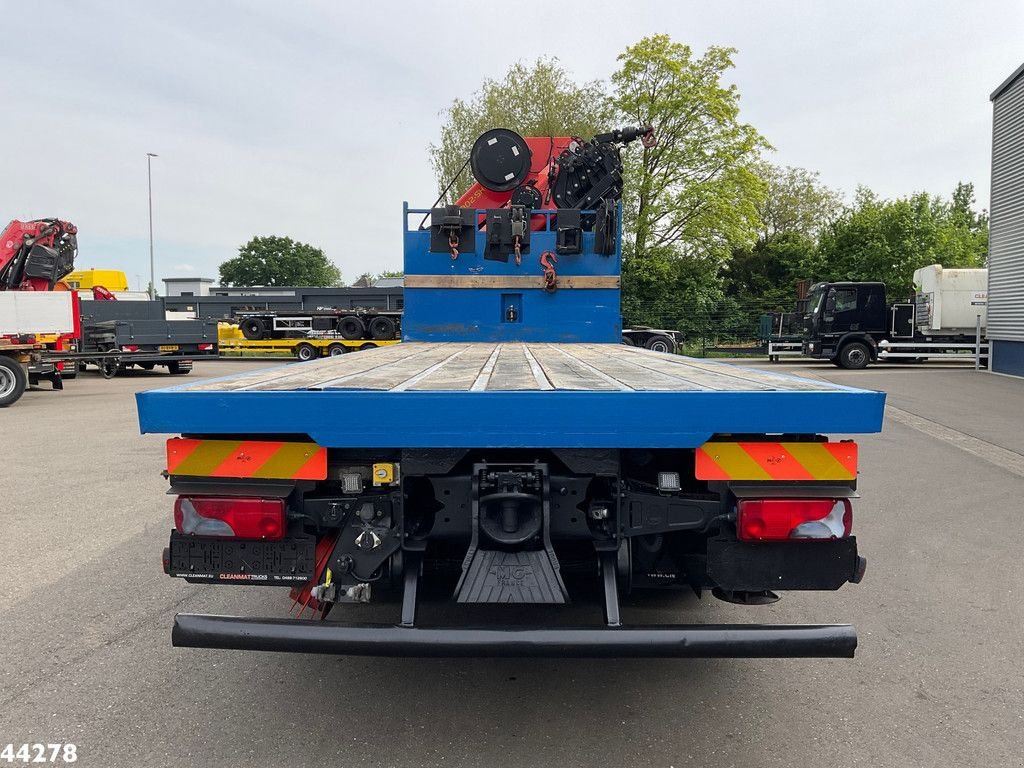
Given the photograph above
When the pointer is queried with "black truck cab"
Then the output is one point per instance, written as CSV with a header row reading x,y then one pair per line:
x,y
845,321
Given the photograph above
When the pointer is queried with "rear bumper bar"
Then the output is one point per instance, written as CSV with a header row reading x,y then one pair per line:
x,y
685,641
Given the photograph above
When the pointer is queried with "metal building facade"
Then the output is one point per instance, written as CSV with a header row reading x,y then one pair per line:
x,y
1006,234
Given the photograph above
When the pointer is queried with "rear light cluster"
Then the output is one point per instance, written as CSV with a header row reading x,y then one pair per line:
x,y
205,347
238,518
129,347
778,519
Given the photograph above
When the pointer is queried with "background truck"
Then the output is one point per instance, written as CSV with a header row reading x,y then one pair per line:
x,y
35,256
20,366
853,324
512,451
27,318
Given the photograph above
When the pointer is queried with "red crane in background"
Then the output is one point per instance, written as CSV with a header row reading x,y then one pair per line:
x,y
36,255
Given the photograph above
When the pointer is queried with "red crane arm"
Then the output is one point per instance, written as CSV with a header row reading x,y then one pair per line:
x,y
34,255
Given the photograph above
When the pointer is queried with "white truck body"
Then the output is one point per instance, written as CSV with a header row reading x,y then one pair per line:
x,y
36,312
948,301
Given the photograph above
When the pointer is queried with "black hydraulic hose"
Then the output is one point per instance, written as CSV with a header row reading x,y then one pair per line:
x,y
445,191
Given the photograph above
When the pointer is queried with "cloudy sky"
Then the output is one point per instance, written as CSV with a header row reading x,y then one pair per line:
x,y
312,119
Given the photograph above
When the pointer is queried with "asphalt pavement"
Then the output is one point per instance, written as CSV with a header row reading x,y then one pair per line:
x,y
85,616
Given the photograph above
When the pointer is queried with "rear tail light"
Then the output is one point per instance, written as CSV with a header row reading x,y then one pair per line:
x,y
130,348
238,518
205,347
777,519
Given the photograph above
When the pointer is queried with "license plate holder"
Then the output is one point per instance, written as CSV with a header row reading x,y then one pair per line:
x,y
214,560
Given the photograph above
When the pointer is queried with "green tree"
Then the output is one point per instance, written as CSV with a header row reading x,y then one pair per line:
x,y
795,210
887,240
279,261
795,201
698,190
765,275
540,99
693,198
968,227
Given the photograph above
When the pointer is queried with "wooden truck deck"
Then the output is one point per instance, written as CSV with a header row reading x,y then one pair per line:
x,y
512,394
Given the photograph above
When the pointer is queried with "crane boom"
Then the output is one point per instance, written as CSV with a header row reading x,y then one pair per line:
x,y
35,255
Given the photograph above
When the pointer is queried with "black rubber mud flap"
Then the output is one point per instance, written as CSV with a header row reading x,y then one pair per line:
x,y
527,576
784,565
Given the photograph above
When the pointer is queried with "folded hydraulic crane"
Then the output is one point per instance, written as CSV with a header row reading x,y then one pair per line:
x,y
35,255
515,176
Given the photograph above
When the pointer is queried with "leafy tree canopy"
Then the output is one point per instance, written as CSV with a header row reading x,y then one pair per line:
x,y
697,191
279,261
767,273
795,209
693,198
887,240
795,201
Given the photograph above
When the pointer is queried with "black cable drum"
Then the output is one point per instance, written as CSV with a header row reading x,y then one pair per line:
x,y
500,160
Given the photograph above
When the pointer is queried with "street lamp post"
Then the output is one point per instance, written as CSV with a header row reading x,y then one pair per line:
x,y
152,270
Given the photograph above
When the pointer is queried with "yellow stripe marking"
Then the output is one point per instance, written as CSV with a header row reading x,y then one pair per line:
x,y
736,462
818,461
206,457
287,461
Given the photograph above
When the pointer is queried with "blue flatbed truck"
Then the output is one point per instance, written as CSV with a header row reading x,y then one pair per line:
x,y
511,450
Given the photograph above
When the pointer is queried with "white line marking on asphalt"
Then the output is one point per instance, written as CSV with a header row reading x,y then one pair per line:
x,y
994,454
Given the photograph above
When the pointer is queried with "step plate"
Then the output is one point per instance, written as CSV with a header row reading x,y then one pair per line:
x,y
511,577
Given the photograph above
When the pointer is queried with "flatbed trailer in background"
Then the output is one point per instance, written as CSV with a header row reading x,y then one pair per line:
x,y
512,450
352,324
146,344
301,349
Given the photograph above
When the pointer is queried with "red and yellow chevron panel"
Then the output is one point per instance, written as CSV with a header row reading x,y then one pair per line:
x,y
256,459
777,461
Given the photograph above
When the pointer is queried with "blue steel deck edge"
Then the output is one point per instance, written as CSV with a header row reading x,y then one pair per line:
x,y
516,419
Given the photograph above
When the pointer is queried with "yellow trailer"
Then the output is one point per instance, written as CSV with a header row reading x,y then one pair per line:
x,y
301,349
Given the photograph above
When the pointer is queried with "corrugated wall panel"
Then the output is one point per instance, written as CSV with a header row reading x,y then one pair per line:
x,y
1006,236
